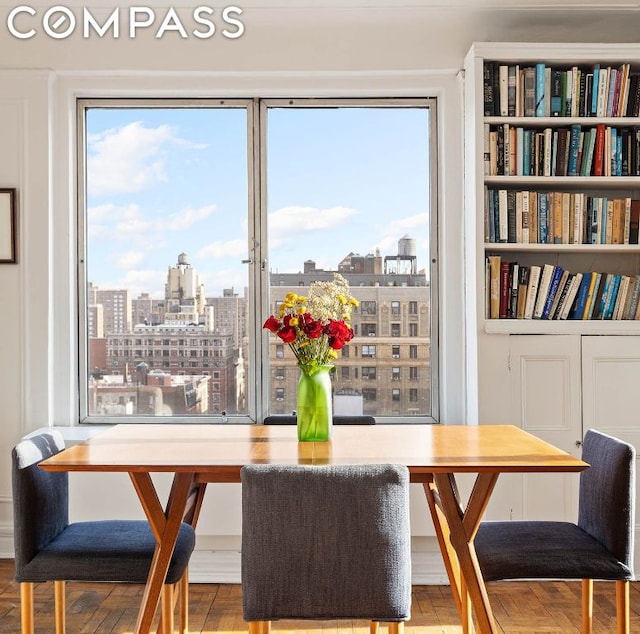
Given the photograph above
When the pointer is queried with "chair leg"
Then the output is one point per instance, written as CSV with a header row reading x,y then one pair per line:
x,y
166,608
374,626
60,607
622,607
587,606
26,608
259,627
184,603
396,627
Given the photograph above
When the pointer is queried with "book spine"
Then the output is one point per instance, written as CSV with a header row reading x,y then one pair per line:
x,y
574,146
532,290
540,90
556,92
494,286
487,88
581,298
569,303
505,290
551,295
543,290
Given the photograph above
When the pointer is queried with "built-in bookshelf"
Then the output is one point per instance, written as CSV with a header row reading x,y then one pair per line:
x,y
553,187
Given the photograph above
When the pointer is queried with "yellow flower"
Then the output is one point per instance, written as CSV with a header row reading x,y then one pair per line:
x,y
302,310
293,321
342,299
354,302
301,299
332,354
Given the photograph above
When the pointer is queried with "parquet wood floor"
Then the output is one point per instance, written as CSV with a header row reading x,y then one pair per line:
x,y
519,607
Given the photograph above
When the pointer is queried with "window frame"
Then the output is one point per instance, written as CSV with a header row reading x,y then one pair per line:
x,y
258,297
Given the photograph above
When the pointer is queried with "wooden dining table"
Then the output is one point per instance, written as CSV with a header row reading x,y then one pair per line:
x,y
197,454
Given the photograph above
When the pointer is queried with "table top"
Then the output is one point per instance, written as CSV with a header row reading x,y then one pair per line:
x,y
217,452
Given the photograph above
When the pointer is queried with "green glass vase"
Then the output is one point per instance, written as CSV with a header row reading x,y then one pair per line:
x,y
314,407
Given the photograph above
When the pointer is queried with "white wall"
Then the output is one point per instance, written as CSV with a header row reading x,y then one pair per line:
x,y
301,48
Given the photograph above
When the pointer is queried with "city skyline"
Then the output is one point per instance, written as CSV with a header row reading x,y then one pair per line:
x,y
167,181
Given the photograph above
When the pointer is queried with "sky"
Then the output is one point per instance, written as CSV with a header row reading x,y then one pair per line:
x,y
165,181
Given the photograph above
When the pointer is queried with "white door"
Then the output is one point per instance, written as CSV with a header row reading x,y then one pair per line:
x,y
611,391
545,401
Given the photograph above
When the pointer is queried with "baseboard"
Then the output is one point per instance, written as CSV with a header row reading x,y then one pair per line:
x,y
223,566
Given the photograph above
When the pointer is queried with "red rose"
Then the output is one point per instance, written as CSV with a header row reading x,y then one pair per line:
x,y
339,334
272,324
313,329
287,334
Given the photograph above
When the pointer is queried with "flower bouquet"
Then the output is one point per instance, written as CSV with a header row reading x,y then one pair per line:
x,y
315,327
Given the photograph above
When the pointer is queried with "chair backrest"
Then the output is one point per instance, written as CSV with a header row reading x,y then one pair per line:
x,y
286,419
607,493
40,498
326,542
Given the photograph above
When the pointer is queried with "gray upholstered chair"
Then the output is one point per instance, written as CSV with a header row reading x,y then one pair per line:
x,y
287,419
599,546
324,543
49,548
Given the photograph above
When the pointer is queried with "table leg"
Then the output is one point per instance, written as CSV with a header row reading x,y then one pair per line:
x,y
165,525
456,528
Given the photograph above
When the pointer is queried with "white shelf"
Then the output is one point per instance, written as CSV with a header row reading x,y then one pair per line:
x,y
519,247
583,182
561,327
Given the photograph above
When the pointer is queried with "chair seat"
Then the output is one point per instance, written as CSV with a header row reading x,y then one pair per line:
x,y
544,550
113,550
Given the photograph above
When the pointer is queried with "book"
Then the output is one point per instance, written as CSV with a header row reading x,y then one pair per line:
x,y
494,286
598,151
487,88
505,290
600,297
503,83
503,227
569,301
523,283
594,282
556,92
562,154
561,295
635,300
629,297
612,296
603,92
541,81
593,109
543,290
621,299
634,221
512,73
532,290
514,285
574,146
529,91
581,297
554,286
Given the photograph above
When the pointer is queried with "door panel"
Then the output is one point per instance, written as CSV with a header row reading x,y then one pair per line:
x,y
545,388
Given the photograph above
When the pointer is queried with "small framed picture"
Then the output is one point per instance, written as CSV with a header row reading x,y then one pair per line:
x,y
8,226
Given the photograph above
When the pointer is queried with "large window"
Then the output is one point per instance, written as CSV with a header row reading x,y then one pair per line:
x,y
198,217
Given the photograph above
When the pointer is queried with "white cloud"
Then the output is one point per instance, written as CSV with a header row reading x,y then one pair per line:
x,y
129,260
144,281
127,159
288,224
223,249
416,226
187,217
